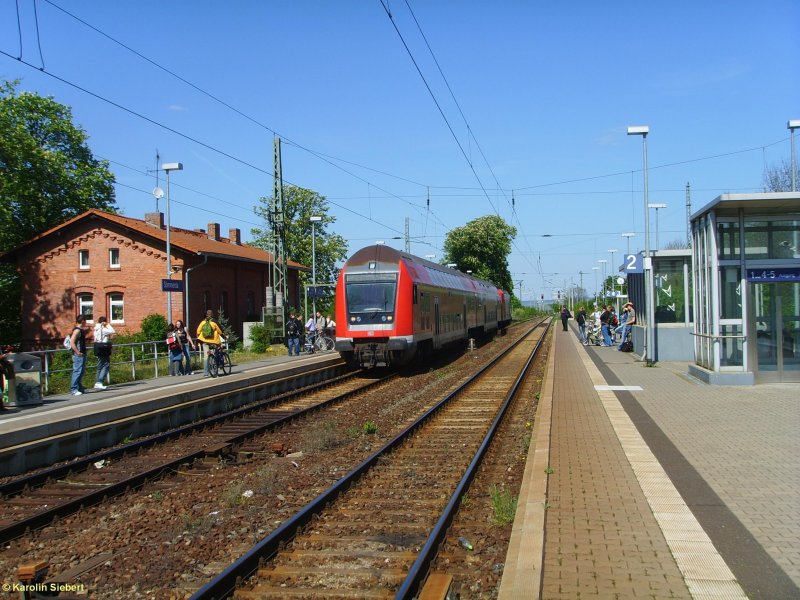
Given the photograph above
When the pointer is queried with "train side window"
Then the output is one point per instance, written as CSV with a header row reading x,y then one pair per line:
x,y
415,294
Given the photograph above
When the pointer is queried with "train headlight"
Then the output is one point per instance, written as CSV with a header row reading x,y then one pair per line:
x,y
389,318
383,318
358,319
352,319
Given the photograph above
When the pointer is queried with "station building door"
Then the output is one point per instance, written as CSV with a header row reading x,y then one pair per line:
x,y
775,326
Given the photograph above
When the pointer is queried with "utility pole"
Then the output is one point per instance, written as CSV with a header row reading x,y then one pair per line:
x,y
278,243
581,273
408,238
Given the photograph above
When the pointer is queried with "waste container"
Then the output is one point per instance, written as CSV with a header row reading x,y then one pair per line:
x,y
25,385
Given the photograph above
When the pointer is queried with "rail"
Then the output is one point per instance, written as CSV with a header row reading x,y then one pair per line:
x,y
142,354
718,337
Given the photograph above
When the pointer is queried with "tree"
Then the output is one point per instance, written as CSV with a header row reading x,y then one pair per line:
x,y
482,246
778,177
299,206
47,175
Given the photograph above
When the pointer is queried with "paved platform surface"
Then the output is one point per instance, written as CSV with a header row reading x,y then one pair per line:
x,y
130,398
661,486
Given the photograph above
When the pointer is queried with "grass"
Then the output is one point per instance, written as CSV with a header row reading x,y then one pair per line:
x,y
320,437
504,505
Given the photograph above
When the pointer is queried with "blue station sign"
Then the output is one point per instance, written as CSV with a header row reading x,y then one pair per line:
x,y
634,263
782,274
172,285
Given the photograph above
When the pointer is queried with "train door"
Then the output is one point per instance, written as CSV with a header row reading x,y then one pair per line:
x,y
437,327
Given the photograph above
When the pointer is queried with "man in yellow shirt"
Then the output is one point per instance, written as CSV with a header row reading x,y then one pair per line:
x,y
209,333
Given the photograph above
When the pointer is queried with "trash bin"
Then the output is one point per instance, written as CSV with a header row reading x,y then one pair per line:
x,y
25,386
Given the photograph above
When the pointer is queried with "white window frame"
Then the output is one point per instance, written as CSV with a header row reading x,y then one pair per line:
x,y
111,253
86,300
112,303
83,264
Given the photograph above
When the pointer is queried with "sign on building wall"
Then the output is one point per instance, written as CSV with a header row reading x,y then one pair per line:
x,y
773,275
172,285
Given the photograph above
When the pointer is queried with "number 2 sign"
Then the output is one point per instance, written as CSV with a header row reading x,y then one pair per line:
x,y
633,263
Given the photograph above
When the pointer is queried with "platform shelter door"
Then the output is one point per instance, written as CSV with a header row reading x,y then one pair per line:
x,y
776,331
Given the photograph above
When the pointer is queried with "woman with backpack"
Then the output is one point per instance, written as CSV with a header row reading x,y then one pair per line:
x,y
209,333
102,350
175,351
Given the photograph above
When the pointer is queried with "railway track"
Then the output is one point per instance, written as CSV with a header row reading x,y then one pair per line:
x,y
34,501
375,532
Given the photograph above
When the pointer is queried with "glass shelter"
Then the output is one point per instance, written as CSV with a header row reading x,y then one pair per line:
x,y
746,282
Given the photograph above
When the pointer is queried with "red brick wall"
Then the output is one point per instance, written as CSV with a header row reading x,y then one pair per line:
x,y
52,280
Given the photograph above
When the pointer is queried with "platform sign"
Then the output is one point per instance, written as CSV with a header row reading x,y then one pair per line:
x,y
634,263
316,291
782,274
172,285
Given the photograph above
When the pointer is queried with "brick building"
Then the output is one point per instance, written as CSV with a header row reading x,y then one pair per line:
x,y
100,263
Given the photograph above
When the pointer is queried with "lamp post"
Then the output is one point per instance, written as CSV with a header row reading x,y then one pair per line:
x,y
314,220
628,237
657,206
791,126
595,269
169,167
611,273
643,130
603,262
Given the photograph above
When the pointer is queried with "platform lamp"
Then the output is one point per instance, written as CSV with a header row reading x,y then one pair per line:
x,y
613,251
595,269
791,126
643,130
314,220
628,237
657,206
167,167
603,262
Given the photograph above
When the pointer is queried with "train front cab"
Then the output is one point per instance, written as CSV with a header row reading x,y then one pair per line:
x,y
378,329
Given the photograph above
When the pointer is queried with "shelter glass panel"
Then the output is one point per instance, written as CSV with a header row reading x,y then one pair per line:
x,y
670,286
730,292
728,241
731,348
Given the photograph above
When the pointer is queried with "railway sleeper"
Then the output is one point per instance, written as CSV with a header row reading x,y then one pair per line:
x,y
333,576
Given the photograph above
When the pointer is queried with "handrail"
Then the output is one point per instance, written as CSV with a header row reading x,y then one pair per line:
x,y
714,337
149,353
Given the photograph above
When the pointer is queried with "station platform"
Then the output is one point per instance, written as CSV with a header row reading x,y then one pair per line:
x,y
643,482
66,425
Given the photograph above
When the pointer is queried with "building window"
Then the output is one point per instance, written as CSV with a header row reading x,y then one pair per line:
x,y
113,258
206,301
83,259
251,303
116,307
223,302
86,306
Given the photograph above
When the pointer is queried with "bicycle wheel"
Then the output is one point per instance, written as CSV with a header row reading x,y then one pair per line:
x,y
213,367
325,344
226,364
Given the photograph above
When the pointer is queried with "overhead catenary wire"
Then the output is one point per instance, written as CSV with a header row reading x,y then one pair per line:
x,y
325,158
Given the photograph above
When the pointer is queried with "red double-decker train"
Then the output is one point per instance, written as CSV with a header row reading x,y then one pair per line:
x,y
392,306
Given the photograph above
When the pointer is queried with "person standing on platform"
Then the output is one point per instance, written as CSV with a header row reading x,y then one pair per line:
x,y
186,343
626,328
77,343
293,329
102,350
330,328
605,325
175,351
311,329
565,316
581,320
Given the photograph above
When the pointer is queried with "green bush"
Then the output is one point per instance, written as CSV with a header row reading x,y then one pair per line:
x,y
260,336
154,327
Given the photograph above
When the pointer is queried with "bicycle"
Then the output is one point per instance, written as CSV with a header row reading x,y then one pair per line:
x,y
219,359
321,343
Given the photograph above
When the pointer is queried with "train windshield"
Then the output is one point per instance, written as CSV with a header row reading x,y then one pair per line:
x,y
375,294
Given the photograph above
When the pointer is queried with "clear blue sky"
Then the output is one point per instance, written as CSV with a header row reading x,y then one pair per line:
x,y
547,90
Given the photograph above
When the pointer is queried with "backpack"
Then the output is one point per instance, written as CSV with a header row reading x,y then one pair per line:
x,y
291,328
172,341
68,342
207,330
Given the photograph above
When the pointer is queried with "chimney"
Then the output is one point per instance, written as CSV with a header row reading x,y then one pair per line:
x,y
213,231
155,219
235,236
